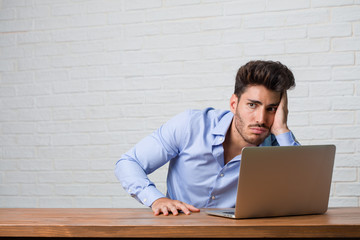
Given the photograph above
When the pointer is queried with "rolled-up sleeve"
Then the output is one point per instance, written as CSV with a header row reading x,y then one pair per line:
x,y
287,139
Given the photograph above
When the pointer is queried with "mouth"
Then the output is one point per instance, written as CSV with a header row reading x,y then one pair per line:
x,y
258,130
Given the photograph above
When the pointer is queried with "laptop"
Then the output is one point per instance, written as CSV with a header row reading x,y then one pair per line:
x,y
282,181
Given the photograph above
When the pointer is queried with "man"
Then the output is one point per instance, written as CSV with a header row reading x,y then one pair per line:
x,y
204,147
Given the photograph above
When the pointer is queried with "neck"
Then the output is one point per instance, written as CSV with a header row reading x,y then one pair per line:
x,y
233,143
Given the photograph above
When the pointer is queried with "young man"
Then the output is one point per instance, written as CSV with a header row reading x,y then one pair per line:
x,y
204,147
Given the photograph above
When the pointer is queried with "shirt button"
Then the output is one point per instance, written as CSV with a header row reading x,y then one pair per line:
x,y
221,175
213,197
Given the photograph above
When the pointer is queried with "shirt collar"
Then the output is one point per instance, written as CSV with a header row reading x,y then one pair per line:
x,y
223,124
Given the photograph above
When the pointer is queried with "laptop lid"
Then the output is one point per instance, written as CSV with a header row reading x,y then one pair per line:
x,y
282,181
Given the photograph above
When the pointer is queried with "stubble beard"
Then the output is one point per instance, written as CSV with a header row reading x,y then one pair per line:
x,y
241,129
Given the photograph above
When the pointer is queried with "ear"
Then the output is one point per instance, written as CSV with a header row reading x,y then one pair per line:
x,y
233,103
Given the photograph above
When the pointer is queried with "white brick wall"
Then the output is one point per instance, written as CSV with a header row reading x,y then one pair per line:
x,y
82,81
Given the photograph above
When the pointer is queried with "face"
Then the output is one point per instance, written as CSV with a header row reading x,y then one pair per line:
x,y
254,114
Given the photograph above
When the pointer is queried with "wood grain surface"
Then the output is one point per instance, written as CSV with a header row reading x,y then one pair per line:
x,y
141,223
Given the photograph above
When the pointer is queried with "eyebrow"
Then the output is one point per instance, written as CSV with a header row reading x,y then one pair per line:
x,y
260,103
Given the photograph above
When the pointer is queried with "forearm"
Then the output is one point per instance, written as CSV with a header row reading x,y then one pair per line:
x,y
135,181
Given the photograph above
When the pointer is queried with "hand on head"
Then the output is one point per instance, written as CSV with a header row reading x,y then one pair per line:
x,y
280,121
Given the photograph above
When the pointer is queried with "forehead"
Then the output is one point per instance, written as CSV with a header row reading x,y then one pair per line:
x,y
261,94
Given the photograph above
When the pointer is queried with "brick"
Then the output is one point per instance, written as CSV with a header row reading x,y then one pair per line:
x,y
201,67
70,139
346,132
19,127
298,119
343,202
8,165
346,103
332,89
279,5
33,63
15,26
243,36
56,202
346,73
312,74
286,33
126,17
142,4
88,99
72,190
68,10
346,44
20,177
53,101
313,16
344,175
264,49
330,3
347,160
8,65
126,124
7,92
9,189
186,54
348,189
73,86
228,22
331,59
37,189
18,202
40,11
87,126
332,118
244,7
156,69
55,177
92,177
346,13
91,202
307,46
37,140
7,14
172,3
181,27
51,75
110,6
196,11
71,165
310,104
330,30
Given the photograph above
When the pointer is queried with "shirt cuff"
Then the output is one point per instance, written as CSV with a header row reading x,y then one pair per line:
x,y
149,195
287,139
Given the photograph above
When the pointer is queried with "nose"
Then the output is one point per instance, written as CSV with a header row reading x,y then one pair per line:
x,y
261,116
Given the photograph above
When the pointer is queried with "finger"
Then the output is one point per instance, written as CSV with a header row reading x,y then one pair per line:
x,y
192,208
156,211
165,211
173,210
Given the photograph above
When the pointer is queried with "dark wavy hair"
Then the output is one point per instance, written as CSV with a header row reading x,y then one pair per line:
x,y
273,75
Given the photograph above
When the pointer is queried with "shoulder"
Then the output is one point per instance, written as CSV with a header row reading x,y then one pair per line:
x,y
206,114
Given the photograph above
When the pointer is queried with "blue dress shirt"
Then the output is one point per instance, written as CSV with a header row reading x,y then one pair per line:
x,y
192,142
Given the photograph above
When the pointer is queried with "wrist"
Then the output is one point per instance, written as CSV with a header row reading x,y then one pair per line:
x,y
280,131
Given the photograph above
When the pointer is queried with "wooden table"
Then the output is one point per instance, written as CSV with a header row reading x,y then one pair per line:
x,y
141,223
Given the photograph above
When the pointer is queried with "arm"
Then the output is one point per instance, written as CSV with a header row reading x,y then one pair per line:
x,y
148,155
280,128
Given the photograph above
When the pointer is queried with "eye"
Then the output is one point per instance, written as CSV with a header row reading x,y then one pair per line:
x,y
272,109
251,105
